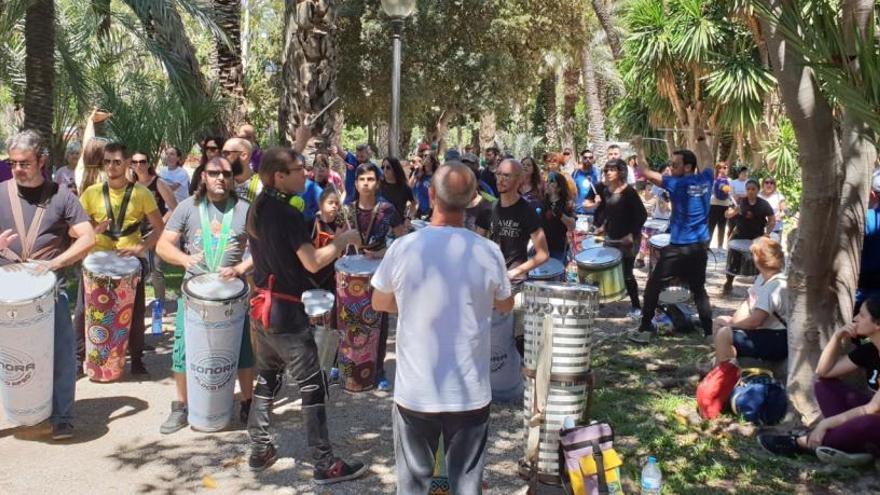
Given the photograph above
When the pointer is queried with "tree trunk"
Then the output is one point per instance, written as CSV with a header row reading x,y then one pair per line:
x,y
382,136
487,129
594,107
570,80
39,68
226,63
309,69
551,128
826,254
604,16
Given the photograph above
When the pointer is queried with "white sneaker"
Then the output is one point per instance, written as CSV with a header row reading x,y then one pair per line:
x,y
635,314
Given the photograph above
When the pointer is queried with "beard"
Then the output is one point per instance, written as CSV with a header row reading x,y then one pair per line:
x,y
237,167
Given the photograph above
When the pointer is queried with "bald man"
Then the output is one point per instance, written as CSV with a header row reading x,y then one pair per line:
x,y
247,131
238,152
443,281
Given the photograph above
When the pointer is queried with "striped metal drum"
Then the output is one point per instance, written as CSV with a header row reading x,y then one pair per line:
x,y
569,311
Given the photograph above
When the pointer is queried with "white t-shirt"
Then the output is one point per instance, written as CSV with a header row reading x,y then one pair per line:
x,y
176,176
445,281
774,200
662,209
770,297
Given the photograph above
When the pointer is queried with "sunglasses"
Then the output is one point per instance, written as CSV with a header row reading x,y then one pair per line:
x,y
211,148
138,162
770,182
229,152
217,173
112,162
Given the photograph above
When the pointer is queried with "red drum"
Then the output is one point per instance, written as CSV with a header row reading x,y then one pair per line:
x,y
359,325
651,228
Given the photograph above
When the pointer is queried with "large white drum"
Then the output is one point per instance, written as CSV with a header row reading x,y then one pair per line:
x,y
213,325
27,343
567,312
319,307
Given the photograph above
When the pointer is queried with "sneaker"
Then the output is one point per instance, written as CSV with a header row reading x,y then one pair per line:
x,y
829,455
339,471
641,336
262,456
62,431
784,445
138,368
727,289
245,411
635,314
176,420
383,385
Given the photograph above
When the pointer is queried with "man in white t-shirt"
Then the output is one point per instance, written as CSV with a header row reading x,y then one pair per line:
x,y
174,174
443,281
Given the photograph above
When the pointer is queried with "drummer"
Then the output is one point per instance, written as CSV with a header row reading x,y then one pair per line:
x,y
752,217
624,217
687,253
131,205
374,218
214,209
63,217
283,256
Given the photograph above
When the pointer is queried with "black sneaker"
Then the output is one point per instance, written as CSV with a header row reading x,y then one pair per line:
x,y
62,431
262,456
138,368
727,288
339,471
176,420
784,445
245,411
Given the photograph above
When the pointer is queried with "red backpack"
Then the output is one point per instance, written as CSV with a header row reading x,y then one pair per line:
x,y
713,392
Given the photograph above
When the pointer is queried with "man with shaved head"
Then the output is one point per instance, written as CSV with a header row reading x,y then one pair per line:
x,y
238,152
247,131
443,281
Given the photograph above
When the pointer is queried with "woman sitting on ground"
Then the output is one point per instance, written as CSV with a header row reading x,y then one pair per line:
x,y
850,432
758,327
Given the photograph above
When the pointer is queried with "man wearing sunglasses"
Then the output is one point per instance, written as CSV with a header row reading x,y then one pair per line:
x,y
119,229
237,152
586,177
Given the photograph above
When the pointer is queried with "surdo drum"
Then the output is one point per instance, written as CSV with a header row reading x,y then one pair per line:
x,y
359,325
552,269
27,343
651,228
602,267
675,291
213,325
319,307
739,258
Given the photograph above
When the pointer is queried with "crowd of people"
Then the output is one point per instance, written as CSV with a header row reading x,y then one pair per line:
x,y
457,237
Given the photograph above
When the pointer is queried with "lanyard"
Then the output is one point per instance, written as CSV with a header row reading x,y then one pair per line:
x,y
213,255
252,188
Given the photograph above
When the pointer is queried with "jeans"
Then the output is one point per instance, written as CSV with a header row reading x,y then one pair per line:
x,y
292,349
688,263
64,373
860,434
416,436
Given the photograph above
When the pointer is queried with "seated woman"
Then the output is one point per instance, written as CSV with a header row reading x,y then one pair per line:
x,y
758,327
850,430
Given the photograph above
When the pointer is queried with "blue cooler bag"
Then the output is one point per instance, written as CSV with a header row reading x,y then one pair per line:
x,y
759,398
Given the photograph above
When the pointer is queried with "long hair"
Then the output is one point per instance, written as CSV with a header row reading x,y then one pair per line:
x,y
400,185
202,191
535,176
93,159
561,186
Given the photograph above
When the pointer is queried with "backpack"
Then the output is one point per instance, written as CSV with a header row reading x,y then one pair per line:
x,y
759,398
592,464
677,318
714,391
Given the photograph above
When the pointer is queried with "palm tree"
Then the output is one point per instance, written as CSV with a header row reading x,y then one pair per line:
x,y
39,35
594,105
226,65
603,14
570,97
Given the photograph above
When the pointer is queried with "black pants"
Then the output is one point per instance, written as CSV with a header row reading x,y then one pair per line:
x,y
632,287
717,221
686,262
289,344
383,347
136,333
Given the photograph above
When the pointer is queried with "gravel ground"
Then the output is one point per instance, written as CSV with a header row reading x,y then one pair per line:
x,y
118,448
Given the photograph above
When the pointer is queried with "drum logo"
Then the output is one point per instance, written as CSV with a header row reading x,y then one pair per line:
x,y
213,371
16,367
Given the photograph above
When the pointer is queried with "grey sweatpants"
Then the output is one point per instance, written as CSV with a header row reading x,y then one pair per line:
x,y
416,436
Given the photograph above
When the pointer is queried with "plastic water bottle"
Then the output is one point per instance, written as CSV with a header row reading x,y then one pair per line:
x,y
571,272
652,478
568,423
157,317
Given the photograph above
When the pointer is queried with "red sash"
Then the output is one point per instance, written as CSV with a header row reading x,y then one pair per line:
x,y
261,304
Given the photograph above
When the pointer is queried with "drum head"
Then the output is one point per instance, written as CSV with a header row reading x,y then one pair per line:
x,y
658,225
559,287
660,241
591,242
317,302
357,264
599,257
551,268
211,287
111,264
21,283
742,245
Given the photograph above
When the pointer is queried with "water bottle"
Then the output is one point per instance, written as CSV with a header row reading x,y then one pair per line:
x,y
568,423
157,317
652,478
571,272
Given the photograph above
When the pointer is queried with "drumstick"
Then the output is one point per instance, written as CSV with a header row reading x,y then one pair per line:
x,y
309,121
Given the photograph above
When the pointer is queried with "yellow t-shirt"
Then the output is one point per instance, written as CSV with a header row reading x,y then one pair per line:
x,y
141,204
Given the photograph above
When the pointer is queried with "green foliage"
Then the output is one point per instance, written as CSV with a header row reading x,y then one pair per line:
x,y
781,154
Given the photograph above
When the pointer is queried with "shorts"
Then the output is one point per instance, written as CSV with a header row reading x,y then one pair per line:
x,y
764,344
178,354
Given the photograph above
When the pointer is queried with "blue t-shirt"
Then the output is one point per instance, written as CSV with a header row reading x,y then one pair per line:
x,y
311,197
584,182
421,193
689,195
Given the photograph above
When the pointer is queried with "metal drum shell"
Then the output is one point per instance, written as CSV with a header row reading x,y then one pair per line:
x,y
739,258
607,275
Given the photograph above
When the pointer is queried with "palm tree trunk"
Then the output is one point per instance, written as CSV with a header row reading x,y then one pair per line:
x,y
594,107
604,16
226,64
309,69
39,67
570,81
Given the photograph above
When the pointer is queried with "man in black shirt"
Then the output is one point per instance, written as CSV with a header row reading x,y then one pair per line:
x,y
752,217
284,257
487,175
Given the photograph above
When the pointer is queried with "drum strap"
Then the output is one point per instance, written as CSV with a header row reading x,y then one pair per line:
x,y
114,230
26,237
365,234
252,188
214,253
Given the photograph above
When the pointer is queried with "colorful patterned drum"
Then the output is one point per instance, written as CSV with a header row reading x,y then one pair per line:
x,y
27,342
359,324
213,322
739,258
552,269
675,291
603,268
561,316
319,305
109,285
651,228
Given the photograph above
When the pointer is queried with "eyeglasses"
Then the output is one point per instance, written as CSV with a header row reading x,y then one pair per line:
x,y
15,164
217,173
138,162
501,175
115,163
229,152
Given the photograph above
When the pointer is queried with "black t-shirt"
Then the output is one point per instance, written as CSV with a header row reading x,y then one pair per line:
x,y
866,356
281,230
624,213
397,195
511,228
481,214
751,222
488,177
551,222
